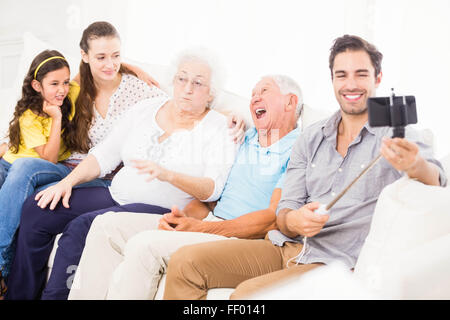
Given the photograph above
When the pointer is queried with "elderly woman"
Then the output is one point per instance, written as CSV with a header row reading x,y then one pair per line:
x,y
173,151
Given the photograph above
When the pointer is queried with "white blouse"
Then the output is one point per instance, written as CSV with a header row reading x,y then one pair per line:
x,y
131,90
205,151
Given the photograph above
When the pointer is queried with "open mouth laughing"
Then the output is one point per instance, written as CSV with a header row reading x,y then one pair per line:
x,y
260,112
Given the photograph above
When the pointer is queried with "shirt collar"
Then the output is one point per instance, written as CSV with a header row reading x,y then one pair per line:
x,y
281,146
330,127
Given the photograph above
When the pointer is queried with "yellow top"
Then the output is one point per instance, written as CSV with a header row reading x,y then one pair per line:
x,y
35,132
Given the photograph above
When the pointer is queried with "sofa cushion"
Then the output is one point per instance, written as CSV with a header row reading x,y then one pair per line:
x,y
446,164
408,217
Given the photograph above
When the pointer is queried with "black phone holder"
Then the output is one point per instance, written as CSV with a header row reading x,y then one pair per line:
x,y
394,111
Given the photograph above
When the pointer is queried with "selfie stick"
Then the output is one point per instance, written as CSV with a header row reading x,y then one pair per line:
x,y
325,208
398,131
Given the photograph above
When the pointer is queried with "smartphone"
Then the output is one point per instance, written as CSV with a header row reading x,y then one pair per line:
x,y
401,113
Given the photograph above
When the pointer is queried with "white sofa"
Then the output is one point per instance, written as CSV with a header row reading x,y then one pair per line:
x,y
233,103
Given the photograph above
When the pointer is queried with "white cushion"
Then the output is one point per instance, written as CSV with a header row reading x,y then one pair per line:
x,y
446,164
7,97
331,282
408,217
51,258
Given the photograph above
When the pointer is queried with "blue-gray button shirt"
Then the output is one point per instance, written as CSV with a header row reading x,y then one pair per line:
x,y
317,172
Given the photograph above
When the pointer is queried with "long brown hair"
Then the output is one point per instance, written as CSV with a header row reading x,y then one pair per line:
x,y
88,92
33,100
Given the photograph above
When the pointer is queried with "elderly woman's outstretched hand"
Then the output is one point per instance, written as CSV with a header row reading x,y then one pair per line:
x,y
151,168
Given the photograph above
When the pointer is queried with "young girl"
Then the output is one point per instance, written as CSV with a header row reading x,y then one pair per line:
x,y
42,114
41,126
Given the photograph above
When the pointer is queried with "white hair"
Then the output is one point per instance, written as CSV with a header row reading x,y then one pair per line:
x,y
288,85
210,59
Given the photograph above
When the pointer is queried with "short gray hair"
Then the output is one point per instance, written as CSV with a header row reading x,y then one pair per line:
x,y
288,85
207,57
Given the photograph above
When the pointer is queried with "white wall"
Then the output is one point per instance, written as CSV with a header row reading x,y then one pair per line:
x,y
256,37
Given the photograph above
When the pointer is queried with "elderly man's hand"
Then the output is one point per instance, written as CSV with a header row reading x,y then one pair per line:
x,y
402,154
177,220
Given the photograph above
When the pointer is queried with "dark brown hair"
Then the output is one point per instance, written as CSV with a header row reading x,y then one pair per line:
x,y
88,92
33,100
355,43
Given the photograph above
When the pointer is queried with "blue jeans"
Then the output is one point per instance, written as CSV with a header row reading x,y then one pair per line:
x,y
4,168
24,176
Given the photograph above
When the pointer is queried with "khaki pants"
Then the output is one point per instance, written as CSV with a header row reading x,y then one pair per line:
x,y
247,265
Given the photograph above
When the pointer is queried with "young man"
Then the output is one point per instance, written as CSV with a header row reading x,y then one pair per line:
x,y
119,263
324,160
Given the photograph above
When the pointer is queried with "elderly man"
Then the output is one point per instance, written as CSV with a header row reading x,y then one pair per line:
x,y
116,266
324,160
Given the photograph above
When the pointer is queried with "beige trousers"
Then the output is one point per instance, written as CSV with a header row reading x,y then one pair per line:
x,y
125,256
247,265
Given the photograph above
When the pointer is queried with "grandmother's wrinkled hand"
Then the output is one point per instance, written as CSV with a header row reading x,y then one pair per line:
x,y
153,169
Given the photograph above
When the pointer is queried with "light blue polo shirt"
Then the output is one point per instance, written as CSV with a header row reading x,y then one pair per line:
x,y
256,172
